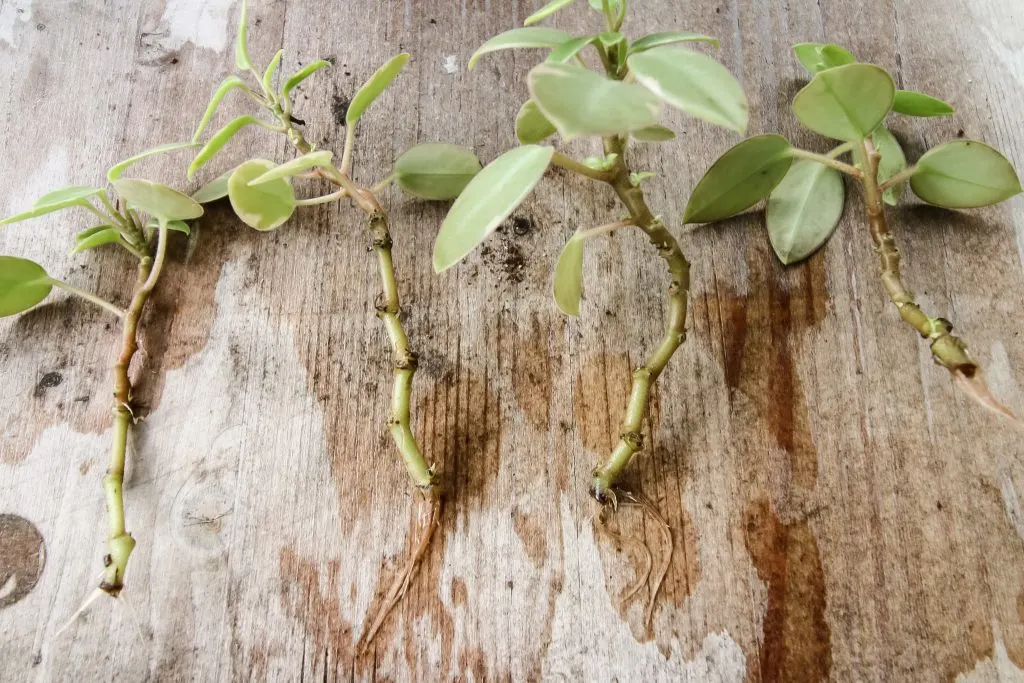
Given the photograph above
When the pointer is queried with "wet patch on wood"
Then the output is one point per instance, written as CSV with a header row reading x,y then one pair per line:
x,y
22,558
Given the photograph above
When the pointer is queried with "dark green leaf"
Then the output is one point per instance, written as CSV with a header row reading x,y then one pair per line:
x,y
963,175
521,37
23,284
436,170
914,103
804,210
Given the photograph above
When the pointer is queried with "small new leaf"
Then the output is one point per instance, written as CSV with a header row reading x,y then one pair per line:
x,y
218,141
537,36
64,198
804,210
488,200
320,159
846,102
892,162
263,207
372,89
99,236
546,11
532,126
569,49
740,178
913,103
436,171
242,60
118,170
568,282
668,38
301,75
964,174
817,57
23,284
268,75
229,84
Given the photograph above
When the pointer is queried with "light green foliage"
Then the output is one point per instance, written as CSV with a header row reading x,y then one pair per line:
x,y
892,162
846,102
531,124
546,11
118,170
804,210
176,226
569,49
242,60
694,83
436,170
214,190
372,89
98,236
64,198
636,179
488,200
230,83
320,159
299,76
265,206
740,178
533,37
614,5
268,75
580,102
964,174
817,57
218,141
668,38
568,281
654,133
23,284
914,103
157,200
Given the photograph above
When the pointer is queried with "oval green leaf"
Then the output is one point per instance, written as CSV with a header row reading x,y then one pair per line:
x,y
846,102
488,200
64,198
531,124
580,102
213,190
569,49
372,89
118,170
100,236
229,84
740,178
568,284
537,36
804,210
436,170
547,10
263,207
157,200
23,284
668,38
912,103
694,83
964,174
320,159
654,134
301,75
219,139
817,57
892,162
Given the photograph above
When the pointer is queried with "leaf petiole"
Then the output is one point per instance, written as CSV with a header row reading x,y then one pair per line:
x,y
606,228
350,142
570,164
840,150
325,199
88,296
384,184
903,175
827,160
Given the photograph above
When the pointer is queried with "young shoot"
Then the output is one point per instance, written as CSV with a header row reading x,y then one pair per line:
x,y
137,216
849,101
262,196
617,104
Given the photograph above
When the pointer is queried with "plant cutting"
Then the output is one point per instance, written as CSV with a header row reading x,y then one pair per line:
x,y
138,216
849,102
618,103
262,196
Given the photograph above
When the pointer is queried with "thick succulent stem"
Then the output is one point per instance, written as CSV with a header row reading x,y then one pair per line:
x,y
631,438
948,350
119,542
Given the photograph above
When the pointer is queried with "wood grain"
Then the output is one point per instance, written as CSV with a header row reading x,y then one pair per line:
x,y
839,511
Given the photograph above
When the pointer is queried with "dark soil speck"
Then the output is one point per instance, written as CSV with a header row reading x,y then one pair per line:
x,y
49,380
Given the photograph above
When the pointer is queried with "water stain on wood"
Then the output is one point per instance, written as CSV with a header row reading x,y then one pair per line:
x,y
797,639
22,558
532,372
317,609
599,399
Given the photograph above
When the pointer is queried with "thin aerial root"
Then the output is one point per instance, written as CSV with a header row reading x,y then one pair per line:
x,y
401,583
666,535
93,597
601,526
132,615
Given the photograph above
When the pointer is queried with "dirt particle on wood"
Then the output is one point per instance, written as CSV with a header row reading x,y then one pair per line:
x,y
339,108
49,381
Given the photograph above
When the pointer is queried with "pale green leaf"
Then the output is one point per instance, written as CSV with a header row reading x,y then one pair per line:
x,y
817,57
118,170
654,133
637,179
372,89
176,226
613,5
488,200
23,284
263,207
740,178
580,102
319,159
569,49
537,36
229,84
301,75
88,232
892,162
242,60
64,198
804,210
546,11
963,175
268,74
912,103
220,138
101,235
694,83
157,200
213,190
531,124
846,102
436,170
668,38
568,283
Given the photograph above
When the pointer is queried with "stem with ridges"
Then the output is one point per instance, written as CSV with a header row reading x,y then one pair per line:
x,y
949,350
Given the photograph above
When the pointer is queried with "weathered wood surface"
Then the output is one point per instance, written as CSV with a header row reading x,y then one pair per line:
x,y
839,510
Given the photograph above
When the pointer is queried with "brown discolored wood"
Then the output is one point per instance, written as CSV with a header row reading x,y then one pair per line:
x,y
839,512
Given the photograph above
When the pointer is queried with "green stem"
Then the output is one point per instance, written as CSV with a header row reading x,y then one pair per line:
x,y
948,350
346,154
828,160
88,296
631,438
571,164
840,150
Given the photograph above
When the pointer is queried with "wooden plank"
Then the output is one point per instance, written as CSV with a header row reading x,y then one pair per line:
x,y
839,510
